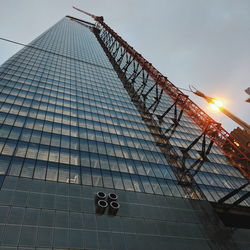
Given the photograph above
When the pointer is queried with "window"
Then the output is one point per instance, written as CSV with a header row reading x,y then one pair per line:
x,y
28,168
127,182
4,131
54,154
43,153
86,176
74,175
64,156
52,172
32,151
146,184
9,147
40,170
21,149
107,179
97,178
25,135
4,164
118,183
63,175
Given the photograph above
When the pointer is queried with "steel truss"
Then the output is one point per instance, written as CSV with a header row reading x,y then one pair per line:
x,y
139,71
233,193
120,49
136,74
205,150
146,97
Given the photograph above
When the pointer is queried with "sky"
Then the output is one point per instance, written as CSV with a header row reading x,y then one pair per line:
x,y
198,42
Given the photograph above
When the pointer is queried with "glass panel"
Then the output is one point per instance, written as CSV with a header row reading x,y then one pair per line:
x,y
32,151
107,179
28,236
40,170
21,149
94,161
9,147
61,238
127,182
52,172
85,159
11,235
86,176
164,187
64,156
76,220
47,218
44,237
54,154
31,216
97,178
63,173
75,175
28,168
62,219
43,153
74,158
118,183
4,164
155,186
146,184
137,183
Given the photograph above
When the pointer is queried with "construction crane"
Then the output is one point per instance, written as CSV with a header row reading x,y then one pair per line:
x,y
220,106
121,51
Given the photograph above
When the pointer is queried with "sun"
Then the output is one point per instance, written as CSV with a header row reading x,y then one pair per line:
x,y
216,105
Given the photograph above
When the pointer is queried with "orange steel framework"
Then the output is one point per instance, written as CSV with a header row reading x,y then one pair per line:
x,y
211,128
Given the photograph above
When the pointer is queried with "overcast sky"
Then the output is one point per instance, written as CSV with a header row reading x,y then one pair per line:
x,y
199,42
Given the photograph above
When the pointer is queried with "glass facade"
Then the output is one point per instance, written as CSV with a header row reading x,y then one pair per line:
x,y
69,129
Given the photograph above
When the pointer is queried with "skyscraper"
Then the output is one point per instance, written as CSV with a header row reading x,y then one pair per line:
x,y
72,127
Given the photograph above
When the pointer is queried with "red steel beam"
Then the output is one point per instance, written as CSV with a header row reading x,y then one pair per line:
x,y
216,133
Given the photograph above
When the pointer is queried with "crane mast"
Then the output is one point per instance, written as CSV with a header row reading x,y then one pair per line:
x,y
209,127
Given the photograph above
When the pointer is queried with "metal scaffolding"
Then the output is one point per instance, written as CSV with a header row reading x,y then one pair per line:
x,y
144,80
122,51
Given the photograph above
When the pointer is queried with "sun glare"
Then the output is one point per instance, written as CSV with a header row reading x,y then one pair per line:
x,y
213,107
218,103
